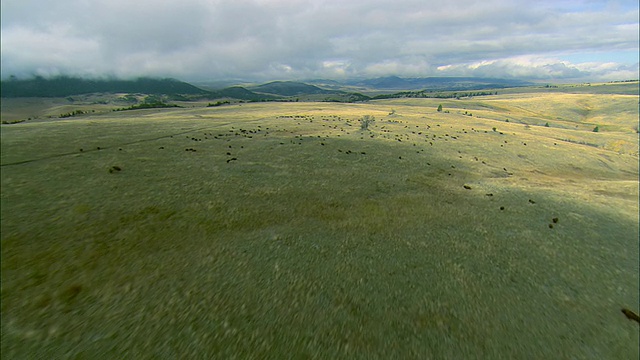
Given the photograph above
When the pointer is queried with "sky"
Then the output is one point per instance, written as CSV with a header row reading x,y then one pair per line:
x,y
261,40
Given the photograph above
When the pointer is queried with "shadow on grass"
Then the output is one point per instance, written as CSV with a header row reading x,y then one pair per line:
x,y
308,250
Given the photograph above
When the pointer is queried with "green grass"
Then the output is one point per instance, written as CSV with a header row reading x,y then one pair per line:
x,y
308,250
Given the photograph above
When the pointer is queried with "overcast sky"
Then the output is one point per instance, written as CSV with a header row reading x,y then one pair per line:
x,y
201,40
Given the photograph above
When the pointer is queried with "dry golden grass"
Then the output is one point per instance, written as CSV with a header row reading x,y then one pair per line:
x,y
321,240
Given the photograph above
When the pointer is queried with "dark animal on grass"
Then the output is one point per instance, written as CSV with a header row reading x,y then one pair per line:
x,y
631,315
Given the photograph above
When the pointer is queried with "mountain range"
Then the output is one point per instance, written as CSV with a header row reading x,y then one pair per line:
x,y
436,83
320,89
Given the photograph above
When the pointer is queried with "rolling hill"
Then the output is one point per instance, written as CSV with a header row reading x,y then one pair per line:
x,y
240,93
285,228
66,86
290,88
436,83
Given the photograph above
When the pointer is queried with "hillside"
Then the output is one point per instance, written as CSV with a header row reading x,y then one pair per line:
x,y
67,86
501,227
240,93
347,90
436,83
290,88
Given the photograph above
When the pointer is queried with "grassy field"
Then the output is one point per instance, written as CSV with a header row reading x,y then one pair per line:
x,y
283,230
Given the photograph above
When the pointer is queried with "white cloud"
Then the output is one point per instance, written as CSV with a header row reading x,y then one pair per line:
x,y
260,39
49,52
543,68
410,67
335,68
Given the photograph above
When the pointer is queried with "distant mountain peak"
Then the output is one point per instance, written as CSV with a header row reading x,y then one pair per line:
x,y
290,88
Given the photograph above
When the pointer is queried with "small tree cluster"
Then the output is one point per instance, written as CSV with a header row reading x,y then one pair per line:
x,y
365,121
219,103
73,113
7,122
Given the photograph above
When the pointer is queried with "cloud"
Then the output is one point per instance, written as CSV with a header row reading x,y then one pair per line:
x,y
48,52
542,68
518,67
268,39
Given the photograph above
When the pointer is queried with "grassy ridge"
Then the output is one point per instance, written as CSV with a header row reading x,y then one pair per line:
x,y
65,86
320,239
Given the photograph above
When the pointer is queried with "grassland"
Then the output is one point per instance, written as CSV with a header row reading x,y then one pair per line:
x,y
283,230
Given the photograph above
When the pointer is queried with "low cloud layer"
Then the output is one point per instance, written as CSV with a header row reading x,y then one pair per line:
x,y
288,39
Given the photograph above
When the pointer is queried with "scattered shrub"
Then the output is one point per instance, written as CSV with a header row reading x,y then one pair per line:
x,y
365,121
115,168
73,113
7,122
218,103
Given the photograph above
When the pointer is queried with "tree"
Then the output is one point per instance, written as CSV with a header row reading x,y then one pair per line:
x,y
596,129
366,121
440,108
